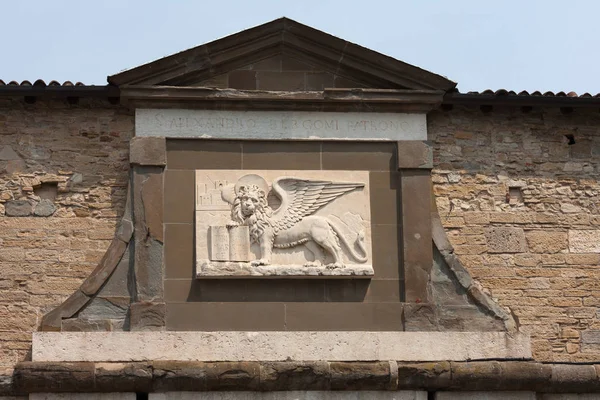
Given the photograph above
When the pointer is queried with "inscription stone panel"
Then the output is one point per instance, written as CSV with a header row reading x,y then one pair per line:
x,y
282,223
280,125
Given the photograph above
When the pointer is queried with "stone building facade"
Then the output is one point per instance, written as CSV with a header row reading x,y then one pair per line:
x,y
98,232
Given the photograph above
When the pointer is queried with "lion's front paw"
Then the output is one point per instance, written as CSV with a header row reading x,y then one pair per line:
x,y
232,224
335,265
258,262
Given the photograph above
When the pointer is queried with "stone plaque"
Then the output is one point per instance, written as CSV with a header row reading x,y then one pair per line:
x,y
267,125
282,224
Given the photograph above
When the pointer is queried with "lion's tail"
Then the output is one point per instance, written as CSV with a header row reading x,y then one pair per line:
x,y
359,240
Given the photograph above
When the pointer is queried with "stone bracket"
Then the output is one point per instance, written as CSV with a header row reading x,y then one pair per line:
x,y
415,154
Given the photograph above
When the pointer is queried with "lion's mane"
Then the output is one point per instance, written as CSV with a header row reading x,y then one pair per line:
x,y
260,219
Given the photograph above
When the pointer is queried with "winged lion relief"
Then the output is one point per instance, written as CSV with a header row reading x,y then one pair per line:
x,y
282,223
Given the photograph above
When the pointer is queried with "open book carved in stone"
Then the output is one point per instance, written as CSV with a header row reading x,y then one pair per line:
x,y
283,218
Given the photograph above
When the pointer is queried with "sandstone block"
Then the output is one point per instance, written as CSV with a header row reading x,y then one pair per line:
x,y
148,151
505,240
546,241
584,241
147,316
415,154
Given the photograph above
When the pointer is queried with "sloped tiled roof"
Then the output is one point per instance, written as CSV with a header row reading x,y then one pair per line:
x,y
40,82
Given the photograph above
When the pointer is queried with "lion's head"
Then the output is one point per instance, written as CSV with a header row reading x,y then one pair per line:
x,y
251,208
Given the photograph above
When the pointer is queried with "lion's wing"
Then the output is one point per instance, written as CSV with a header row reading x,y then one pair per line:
x,y
303,197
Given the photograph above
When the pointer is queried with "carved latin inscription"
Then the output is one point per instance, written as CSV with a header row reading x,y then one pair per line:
x,y
280,124
304,223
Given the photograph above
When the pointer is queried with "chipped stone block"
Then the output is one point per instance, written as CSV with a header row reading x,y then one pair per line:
x,y
546,241
584,241
505,240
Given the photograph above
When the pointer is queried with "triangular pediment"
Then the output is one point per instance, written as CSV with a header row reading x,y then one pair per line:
x,y
279,51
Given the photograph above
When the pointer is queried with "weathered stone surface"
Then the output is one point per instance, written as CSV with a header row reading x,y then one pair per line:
x,y
118,377
258,346
187,376
296,125
476,375
147,316
148,234
54,377
415,154
505,240
152,201
53,320
546,241
590,340
82,325
118,282
233,376
295,375
18,208
583,377
44,208
149,269
105,267
7,153
426,376
82,396
239,270
295,395
360,376
148,151
485,396
105,308
584,241
420,317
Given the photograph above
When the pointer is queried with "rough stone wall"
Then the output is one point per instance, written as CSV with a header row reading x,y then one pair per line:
x,y
63,180
522,208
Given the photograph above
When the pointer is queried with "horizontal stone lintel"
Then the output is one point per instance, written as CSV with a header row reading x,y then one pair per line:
x,y
280,125
165,376
243,270
277,346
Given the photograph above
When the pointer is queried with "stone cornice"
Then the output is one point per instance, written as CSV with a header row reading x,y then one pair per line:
x,y
162,376
388,100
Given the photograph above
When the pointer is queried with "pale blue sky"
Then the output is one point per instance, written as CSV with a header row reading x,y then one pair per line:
x,y
512,44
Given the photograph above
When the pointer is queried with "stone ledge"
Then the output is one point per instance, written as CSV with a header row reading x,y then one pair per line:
x,y
242,270
164,376
277,346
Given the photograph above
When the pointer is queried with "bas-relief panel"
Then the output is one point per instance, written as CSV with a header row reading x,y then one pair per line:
x,y
282,223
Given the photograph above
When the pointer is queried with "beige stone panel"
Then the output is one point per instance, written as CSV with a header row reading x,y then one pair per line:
x,y
350,213
294,395
277,346
485,396
81,396
584,241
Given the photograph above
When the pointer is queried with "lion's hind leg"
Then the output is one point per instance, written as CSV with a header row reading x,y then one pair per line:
x,y
317,252
329,242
